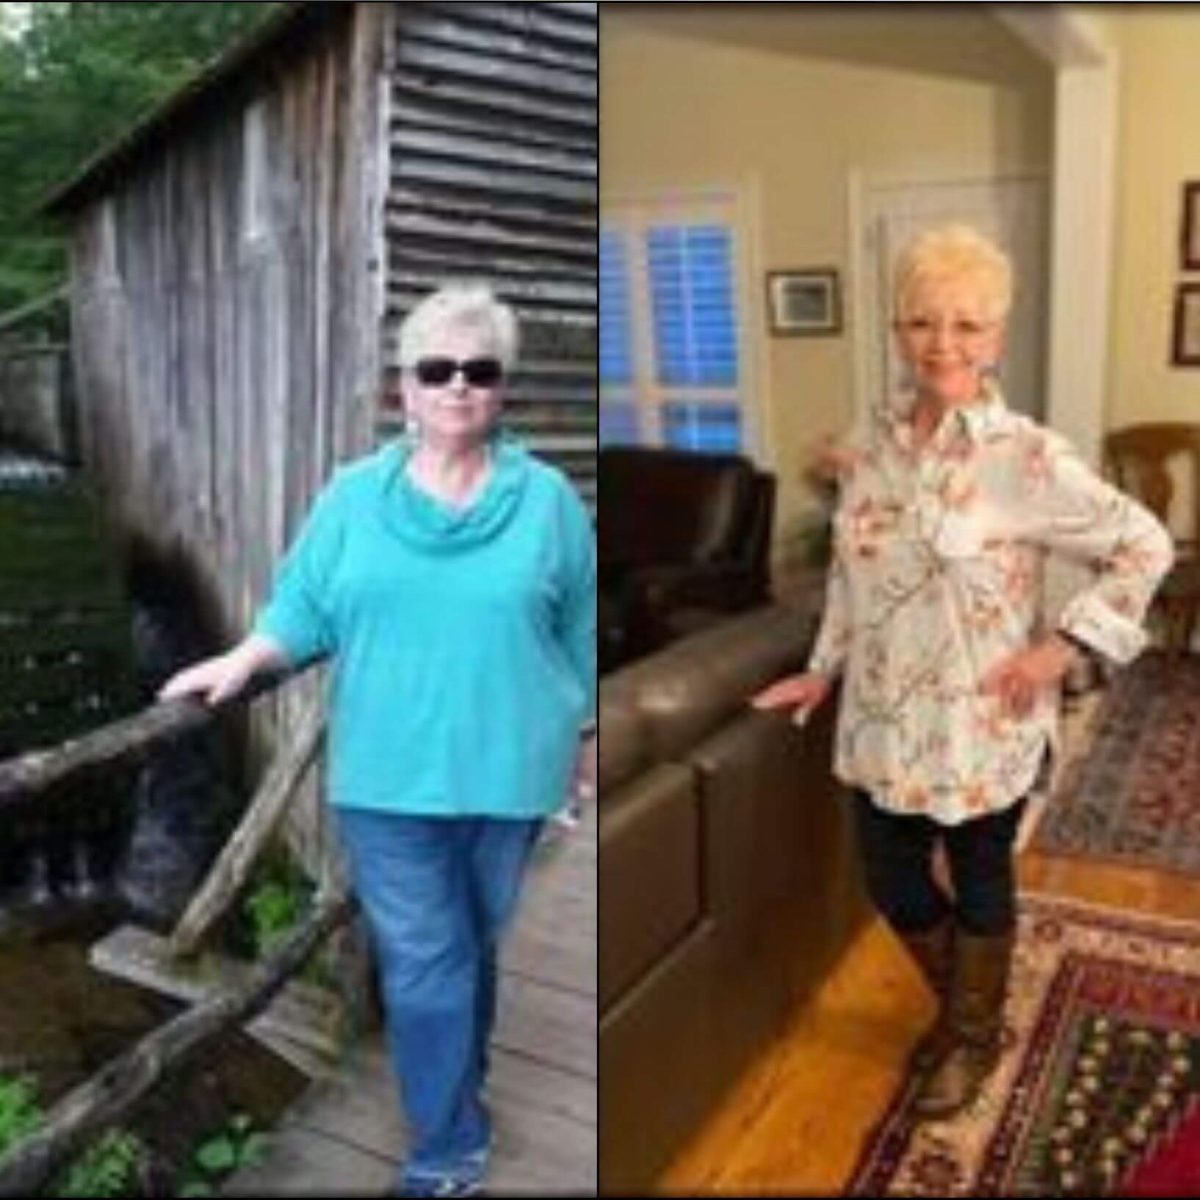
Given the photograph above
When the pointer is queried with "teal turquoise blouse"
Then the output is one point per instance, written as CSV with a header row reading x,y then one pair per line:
x,y
462,640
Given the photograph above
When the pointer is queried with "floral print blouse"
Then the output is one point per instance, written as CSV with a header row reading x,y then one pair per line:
x,y
936,577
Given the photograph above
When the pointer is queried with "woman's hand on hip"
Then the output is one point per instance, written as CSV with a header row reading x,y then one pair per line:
x,y
802,693
1019,679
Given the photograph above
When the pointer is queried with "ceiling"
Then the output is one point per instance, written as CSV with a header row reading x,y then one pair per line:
x,y
961,40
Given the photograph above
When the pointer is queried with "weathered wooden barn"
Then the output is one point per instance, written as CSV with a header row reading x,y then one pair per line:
x,y
241,259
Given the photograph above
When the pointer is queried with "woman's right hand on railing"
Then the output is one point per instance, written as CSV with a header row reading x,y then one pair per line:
x,y
219,678
801,693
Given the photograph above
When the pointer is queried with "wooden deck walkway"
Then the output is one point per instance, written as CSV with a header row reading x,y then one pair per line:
x,y
345,1135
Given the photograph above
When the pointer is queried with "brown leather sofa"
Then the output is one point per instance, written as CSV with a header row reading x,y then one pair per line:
x,y
728,879
677,532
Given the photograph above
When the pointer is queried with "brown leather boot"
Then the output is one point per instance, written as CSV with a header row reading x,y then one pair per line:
x,y
932,951
975,1018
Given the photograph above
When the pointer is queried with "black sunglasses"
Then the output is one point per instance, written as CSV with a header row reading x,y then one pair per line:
x,y
478,372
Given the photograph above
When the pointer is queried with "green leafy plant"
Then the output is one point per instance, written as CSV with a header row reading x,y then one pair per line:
x,y
273,908
106,1168
20,1111
278,899
235,1145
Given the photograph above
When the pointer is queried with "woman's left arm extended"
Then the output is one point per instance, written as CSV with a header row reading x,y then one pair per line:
x,y
1071,510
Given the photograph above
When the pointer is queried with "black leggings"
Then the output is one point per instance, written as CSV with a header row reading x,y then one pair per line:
x,y
897,856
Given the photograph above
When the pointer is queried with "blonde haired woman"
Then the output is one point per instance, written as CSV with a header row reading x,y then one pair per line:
x,y
450,576
947,504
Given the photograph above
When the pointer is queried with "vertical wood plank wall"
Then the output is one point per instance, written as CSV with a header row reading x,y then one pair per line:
x,y
227,312
210,293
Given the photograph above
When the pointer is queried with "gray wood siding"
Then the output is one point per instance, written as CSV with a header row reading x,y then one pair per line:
x,y
226,315
227,306
493,139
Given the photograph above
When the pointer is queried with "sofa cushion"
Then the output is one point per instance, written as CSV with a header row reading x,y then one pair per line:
x,y
624,745
649,874
657,1079
684,691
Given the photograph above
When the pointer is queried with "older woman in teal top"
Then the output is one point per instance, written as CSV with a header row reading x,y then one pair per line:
x,y
450,578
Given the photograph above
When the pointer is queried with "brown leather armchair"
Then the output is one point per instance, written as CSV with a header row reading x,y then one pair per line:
x,y
677,532
728,883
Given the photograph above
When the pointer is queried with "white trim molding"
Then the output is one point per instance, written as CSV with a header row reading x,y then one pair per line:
x,y
1082,227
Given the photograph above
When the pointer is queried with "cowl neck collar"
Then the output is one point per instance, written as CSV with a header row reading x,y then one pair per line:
x,y
432,525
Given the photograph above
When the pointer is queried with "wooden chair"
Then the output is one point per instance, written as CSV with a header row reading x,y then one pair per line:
x,y
1139,459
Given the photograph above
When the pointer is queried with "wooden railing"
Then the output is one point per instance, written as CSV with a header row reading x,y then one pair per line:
x,y
108,1095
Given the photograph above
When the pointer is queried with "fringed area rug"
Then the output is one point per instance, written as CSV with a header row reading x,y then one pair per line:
x,y
1098,1090
1133,794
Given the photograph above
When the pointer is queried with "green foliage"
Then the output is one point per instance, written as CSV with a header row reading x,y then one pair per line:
x,y
237,1144
106,1168
20,1111
276,903
273,909
73,77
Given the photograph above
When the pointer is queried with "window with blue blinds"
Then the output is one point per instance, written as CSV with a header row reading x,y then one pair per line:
x,y
670,371
691,274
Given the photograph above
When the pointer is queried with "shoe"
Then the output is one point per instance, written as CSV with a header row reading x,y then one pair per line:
x,y
438,1186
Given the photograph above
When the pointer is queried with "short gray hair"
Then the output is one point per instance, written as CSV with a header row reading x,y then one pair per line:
x,y
959,253
465,304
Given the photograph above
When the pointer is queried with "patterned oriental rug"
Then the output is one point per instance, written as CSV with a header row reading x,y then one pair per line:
x,y
1098,1091
1133,795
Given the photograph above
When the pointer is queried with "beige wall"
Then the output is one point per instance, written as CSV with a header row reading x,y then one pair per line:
x,y
1158,148
679,109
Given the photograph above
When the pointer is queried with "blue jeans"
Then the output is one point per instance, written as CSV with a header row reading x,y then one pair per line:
x,y
437,893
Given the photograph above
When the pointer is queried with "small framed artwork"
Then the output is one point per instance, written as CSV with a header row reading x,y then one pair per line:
x,y
1189,227
1185,336
805,302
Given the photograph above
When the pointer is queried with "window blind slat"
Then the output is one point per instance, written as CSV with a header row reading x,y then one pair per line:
x,y
691,284
616,341
702,428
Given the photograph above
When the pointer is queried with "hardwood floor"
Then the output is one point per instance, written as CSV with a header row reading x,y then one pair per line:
x,y
797,1120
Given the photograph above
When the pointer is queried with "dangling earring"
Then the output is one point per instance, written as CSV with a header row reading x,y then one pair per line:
x,y
412,425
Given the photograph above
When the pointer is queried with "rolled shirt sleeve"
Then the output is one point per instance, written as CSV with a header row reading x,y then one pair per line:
x,y
1084,517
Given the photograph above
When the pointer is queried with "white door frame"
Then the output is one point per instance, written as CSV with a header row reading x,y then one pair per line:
x,y
1082,222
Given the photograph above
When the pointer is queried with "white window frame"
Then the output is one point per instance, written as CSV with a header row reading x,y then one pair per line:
x,y
635,213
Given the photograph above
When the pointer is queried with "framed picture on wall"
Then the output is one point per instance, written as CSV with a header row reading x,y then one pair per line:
x,y
804,302
1185,336
1189,227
